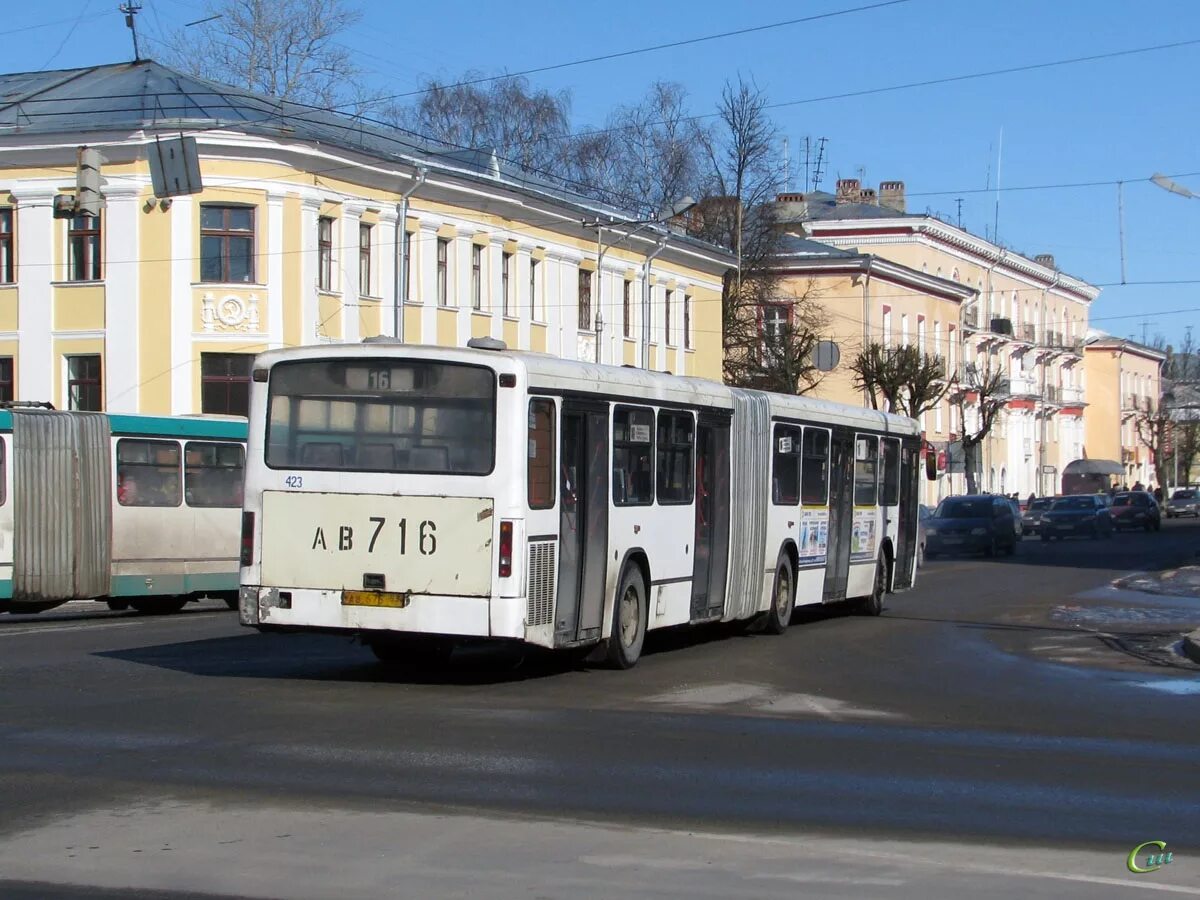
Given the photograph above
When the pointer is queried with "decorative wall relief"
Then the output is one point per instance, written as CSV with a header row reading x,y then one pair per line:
x,y
230,313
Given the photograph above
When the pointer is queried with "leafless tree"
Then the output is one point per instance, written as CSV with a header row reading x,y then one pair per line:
x,y
283,48
777,355
528,126
911,382
1154,425
983,390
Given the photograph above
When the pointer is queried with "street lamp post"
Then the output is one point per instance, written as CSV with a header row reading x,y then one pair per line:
x,y
678,208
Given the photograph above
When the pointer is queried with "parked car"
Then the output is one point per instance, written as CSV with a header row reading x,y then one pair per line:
x,y
924,514
1184,502
1136,509
972,523
1031,519
1018,525
1082,515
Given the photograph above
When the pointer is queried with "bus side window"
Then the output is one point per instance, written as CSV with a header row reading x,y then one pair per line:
x,y
785,466
3,475
890,493
676,440
866,464
814,478
148,473
213,473
540,467
633,456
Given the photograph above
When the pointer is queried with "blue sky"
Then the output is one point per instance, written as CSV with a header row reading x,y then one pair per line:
x,y
1114,119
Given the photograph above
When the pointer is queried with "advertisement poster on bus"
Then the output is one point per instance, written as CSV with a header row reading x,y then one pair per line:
x,y
862,535
814,536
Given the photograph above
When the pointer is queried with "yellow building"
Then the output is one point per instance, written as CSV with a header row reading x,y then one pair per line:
x,y
308,225
1124,380
1027,320
865,299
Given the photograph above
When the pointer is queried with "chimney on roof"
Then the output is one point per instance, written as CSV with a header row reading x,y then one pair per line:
x,y
867,195
790,208
848,191
891,195
1046,259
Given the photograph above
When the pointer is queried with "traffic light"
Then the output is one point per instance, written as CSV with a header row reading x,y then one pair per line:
x,y
88,198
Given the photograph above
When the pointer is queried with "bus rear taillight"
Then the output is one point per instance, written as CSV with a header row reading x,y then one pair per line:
x,y
247,538
506,541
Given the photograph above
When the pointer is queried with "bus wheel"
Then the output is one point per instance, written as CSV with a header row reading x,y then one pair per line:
x,y
117,605
872,604
783,597
628,631
159,606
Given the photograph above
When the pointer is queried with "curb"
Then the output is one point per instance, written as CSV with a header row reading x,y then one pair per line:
x,y
1191,645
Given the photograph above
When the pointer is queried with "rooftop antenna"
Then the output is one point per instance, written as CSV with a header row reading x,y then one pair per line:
x,y
819,166
787,165
131,8
959,201
999,159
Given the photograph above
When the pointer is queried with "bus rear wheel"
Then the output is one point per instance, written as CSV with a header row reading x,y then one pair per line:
x,y
628,631
872,604
783,598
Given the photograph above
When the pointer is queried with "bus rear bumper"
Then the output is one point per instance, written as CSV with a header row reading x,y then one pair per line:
x,y
305,608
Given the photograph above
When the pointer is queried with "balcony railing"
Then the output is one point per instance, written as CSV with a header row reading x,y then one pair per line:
x,y
1029,333
970,318
1053,393
1023,385
1072,394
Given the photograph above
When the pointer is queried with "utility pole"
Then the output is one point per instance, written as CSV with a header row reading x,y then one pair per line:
x,y
959,201
131,8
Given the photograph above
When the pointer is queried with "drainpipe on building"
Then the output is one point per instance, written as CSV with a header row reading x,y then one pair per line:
x,y
1041,479
650,257
402,232
987,324
867,317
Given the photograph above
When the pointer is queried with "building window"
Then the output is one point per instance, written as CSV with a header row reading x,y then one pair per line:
x,y
6,380
541,454
506,283
687,322
225,383
633,456
364,260
670,299
585,300
533,270
773,322
443,265
83,249
626,310
7,266
903,329
212,474
325,253
676,471
921,334
408,265
83,383
476,277
147,473
227,244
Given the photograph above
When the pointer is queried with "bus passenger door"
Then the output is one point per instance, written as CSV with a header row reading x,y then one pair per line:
x,y
712,518
583,523
841,513
910,477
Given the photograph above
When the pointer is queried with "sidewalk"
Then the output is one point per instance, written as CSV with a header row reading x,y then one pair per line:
x,y
1181,582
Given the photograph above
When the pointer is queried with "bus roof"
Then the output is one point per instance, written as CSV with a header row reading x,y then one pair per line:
x,y
554,374
228,427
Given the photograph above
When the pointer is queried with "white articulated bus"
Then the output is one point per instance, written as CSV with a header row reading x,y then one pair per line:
x,y
423,496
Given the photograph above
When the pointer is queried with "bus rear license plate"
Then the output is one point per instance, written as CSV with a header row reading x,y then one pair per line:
x,y
386,599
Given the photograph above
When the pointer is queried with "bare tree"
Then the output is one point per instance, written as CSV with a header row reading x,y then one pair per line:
x,y
984,391
1153,425
909,381
283,48
531,127
770,347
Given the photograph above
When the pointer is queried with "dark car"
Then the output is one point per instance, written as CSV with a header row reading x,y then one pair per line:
x,y
972,523
1031,519
1136,509
1083,515
1184,502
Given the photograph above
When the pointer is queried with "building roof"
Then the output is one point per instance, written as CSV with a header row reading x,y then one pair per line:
x,y
823,206
1100,340
792,245
148,96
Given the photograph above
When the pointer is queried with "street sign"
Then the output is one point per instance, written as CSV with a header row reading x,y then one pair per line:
x,y
175,167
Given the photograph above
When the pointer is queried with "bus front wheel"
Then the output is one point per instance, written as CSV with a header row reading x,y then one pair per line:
x,y
628,631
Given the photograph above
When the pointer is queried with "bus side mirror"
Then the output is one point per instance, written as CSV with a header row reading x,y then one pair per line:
x,y
931,465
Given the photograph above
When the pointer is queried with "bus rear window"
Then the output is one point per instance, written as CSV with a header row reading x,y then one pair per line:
x,y
382,415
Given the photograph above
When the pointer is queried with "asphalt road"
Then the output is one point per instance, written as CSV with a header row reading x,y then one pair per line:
x,y
1010,726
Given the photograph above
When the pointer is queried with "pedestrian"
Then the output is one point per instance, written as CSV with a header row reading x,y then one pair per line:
x,y
1158,494
1138,486
1029,502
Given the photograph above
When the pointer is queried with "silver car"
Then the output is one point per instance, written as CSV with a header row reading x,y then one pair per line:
x,y
1184,502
